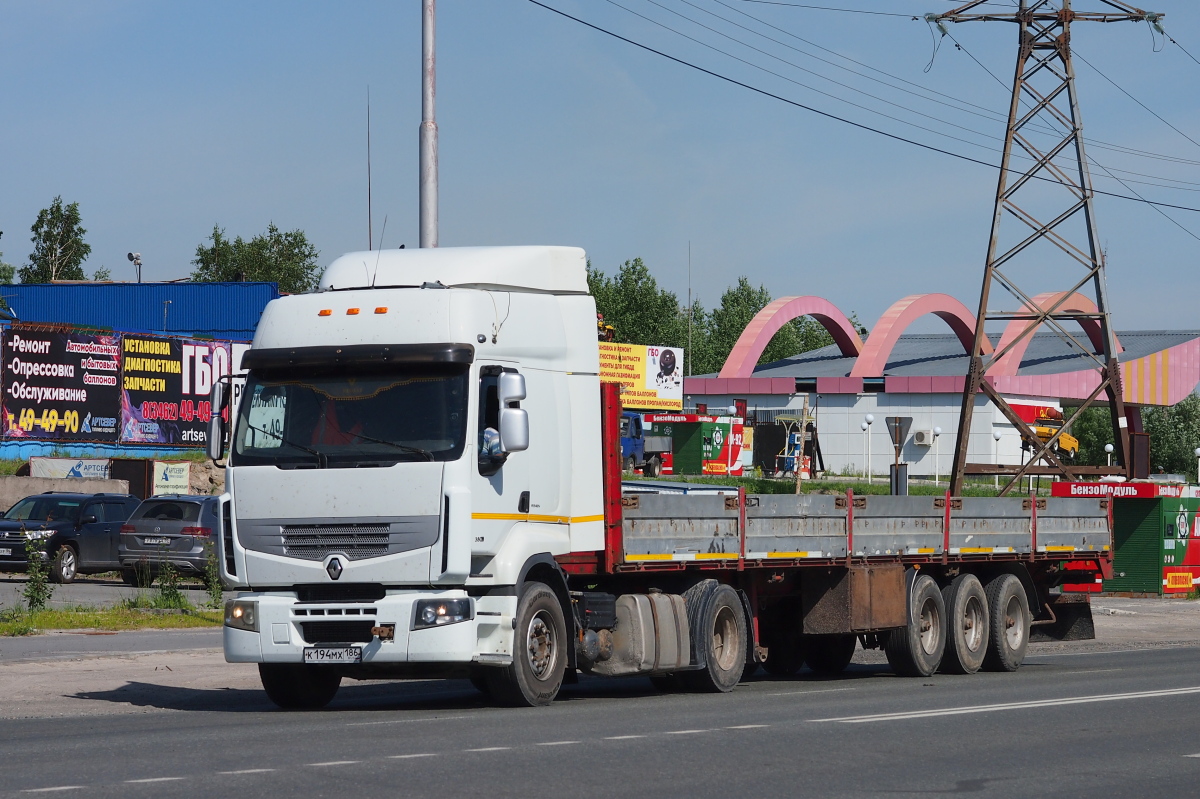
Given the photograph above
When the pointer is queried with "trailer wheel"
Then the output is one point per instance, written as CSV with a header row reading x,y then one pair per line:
x,y
298,686
718,623
653,467
916,649
539,652
966,625
1009,610
629,464
829,655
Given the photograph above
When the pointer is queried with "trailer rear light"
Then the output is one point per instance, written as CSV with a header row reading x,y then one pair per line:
x,y
128,528
325,312
381,309
351,312
200,531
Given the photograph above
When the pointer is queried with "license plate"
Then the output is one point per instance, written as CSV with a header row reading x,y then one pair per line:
x,y
333,654
6,552
158,540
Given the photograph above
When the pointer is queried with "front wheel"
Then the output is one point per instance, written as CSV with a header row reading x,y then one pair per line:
x,y
65,566
539,652
299,686
653,467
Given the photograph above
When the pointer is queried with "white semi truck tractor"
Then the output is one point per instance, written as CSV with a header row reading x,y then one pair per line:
x,y
424,480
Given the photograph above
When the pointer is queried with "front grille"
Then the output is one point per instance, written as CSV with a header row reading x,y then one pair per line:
x,y
337,632
334,592
355,541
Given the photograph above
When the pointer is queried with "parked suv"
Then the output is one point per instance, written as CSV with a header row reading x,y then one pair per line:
x,y
80,532
179,528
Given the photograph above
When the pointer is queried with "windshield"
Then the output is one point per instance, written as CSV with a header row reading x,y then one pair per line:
x,y
44,509
343,419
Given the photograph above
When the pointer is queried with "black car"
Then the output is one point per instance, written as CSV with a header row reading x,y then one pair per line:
x,y
80,533
177,528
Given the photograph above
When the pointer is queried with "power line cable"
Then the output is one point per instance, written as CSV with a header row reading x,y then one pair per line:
x,y
827,8
826,114
1091,142
839,83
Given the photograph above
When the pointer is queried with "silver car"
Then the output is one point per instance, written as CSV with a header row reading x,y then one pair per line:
x,y
179,528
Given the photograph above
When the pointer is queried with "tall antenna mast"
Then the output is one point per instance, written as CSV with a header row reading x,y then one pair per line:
x,y
429,158
370,225
1057,208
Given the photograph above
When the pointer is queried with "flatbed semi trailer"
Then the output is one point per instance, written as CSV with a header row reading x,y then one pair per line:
x,y
424,480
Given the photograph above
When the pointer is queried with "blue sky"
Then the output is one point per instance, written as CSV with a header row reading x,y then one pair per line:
x,y
162,119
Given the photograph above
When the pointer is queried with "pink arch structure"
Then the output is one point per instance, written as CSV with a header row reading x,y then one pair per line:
x,y
767,322
873,358
1010,361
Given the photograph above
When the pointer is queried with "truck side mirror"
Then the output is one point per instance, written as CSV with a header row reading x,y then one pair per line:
x,y
511,388
216,422
514,429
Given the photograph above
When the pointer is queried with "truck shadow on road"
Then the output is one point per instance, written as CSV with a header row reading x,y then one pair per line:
x,y
443,695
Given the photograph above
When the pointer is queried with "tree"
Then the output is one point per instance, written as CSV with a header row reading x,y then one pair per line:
x,y
58,246
7,271
1174,436
639,311
1093,427
284,258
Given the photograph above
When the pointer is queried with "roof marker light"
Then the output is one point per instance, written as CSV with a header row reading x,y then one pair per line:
x,y
325,312
381,309
352,312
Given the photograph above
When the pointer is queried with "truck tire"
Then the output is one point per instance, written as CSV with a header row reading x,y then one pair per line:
x,y
299,686
653,467
1009,610
966,625
65,565
629,464
829,655
539,651
916,649
717,623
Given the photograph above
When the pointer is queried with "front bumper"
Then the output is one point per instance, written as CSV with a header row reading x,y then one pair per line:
x,y
281,638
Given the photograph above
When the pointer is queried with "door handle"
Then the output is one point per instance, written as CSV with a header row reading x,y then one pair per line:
x,y
523,503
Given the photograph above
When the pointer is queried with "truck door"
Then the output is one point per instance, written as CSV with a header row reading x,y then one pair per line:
x,y
500,481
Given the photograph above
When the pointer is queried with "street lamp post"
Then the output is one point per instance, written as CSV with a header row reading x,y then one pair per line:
x,y
937,472
996,438
868,421
1108,451
1197,454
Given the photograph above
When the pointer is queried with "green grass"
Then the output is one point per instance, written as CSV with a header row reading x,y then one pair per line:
x,y
17,622
768,485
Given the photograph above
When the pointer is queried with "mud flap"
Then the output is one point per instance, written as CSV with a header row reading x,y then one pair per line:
x,y
1071,620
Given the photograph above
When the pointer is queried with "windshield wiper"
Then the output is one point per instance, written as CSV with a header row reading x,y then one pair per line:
x,y
322,459
415,450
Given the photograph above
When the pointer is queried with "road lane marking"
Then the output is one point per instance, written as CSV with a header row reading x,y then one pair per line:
x,y
401,721
1111,652
407,757
748,726
622,737
957,711
686,732
489,749
558,743
55,788
154,779
821,691
1088,671
248,771
336,763
1195,755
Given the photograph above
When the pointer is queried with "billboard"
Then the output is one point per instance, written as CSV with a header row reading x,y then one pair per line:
x,y
165,385
651,377
60,386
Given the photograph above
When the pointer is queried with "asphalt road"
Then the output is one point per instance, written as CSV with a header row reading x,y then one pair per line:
x,y
1068,724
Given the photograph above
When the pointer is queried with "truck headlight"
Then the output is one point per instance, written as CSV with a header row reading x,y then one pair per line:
x,y
241,614
436,612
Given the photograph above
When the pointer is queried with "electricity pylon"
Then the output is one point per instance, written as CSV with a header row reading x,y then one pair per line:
x,y
1053,173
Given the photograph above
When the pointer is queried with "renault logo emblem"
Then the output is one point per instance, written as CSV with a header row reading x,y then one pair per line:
x,y
334,569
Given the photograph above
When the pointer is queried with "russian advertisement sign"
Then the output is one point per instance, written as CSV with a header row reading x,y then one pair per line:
x,y
172,477
651,378
165,385
60,386
95,468
1125,490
